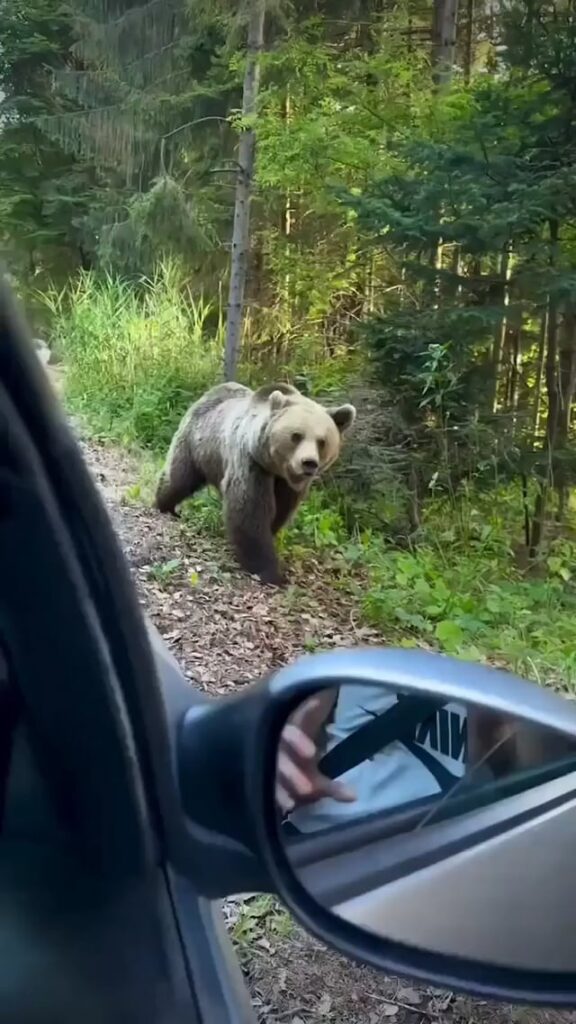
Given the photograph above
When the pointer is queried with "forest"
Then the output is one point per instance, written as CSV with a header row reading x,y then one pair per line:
x,y
372,200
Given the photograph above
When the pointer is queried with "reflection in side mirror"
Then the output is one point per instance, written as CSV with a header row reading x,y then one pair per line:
x,y
365,773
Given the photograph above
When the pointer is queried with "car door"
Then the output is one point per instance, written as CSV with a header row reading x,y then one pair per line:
x,y
99,920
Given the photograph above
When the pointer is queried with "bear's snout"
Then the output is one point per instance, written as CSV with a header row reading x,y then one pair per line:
x,y
310,466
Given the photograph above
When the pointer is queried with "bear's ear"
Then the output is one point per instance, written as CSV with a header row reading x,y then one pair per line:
x,y
264,394
343,417
277,400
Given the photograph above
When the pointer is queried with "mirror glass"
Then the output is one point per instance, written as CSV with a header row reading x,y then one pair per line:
x,y
392,809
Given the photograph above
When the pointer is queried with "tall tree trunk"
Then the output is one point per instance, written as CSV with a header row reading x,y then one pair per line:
x,y
436,262
553,395
540,374
469,46
566,388
444,15
516,347
241,230
456,268
539,519
566,373
287,221
551,377
501,328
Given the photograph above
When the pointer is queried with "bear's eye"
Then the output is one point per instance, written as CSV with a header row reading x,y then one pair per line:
x,y
296,438
321,444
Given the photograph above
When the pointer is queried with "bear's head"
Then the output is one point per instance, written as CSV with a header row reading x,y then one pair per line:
x,y
302,437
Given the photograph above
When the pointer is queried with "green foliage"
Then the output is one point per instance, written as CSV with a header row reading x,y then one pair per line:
x,y
42,189
329,108
161,223
455,602
204,513
260,918
113,121
163,572
458,590
135,359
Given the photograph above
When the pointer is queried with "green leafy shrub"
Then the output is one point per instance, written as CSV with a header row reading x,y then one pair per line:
x,y
458,589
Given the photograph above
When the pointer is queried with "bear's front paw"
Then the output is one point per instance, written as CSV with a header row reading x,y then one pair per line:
x,y
273,577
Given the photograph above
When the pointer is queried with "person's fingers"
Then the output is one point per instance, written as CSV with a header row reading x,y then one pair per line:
x,y
305,787
339,791
312,714
298,779
306,711
292,778
298,742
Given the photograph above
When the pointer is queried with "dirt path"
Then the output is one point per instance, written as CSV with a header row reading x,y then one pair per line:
x,y
227,630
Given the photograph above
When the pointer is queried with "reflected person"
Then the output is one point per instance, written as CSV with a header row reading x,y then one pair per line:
x,y
426,759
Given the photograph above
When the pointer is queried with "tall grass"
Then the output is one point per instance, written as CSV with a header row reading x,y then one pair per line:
x,y
135,358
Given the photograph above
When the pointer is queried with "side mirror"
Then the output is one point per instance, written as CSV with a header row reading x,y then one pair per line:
x,y
414,811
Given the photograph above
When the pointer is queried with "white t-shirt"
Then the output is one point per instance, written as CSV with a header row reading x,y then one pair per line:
x,y
394,776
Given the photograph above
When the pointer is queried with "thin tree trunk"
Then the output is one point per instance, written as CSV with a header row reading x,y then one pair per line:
x,y
526,509
444,15
540,373
566,388
469,48
241,230
515,375
436,261
414,501
552,389
506,374
551,375
403,286
287,220
370,287
456,268
563,495
566,374
539,519
501,329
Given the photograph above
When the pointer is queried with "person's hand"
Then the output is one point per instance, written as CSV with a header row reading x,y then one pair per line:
x,y
298,780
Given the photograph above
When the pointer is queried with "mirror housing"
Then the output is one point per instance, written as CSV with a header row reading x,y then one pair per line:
x,y
251,725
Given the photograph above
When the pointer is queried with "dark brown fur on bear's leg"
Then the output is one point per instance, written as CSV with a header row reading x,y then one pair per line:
x,y
249,514
256,554
286,502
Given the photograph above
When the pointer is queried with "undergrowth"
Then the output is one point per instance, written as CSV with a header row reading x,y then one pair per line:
x,y
458,588
134,361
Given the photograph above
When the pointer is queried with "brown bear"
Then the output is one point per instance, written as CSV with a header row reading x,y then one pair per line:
x,y
262,450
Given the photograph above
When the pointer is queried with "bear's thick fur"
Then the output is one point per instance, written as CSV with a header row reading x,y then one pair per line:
x,y
262,450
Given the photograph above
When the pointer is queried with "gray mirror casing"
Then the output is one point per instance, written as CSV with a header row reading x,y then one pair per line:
x,y
419,673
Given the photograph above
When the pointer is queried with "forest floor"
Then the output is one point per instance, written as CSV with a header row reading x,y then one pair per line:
x,y
226,630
